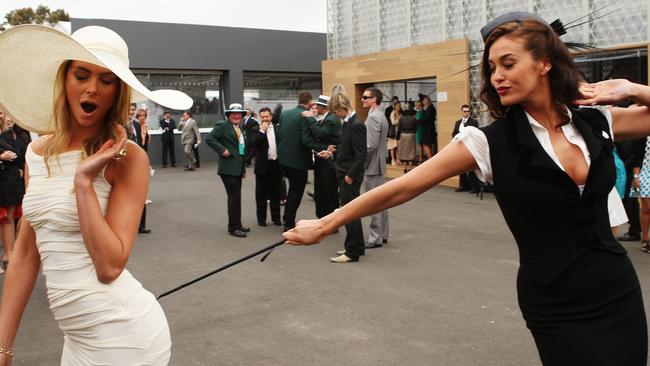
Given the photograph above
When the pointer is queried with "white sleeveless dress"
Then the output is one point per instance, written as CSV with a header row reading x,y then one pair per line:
x,y
119,323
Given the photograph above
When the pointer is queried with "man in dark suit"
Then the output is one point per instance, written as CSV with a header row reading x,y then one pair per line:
x,y
227,139
326,132
468,181
167,138
350,160
268,176
136,136
295,143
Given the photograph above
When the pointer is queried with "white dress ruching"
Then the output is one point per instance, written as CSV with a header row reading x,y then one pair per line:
x,y
119,323
477,144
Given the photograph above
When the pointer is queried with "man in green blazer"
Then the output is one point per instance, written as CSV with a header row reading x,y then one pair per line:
x,y
227,139
326,132
295,144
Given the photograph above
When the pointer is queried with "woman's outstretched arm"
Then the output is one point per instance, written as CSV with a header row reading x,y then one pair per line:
x,y
454,159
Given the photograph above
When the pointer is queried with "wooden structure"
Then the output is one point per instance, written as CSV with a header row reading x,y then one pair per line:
x,y
444,60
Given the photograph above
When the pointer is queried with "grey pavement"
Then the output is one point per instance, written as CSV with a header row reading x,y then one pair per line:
x,y
442,292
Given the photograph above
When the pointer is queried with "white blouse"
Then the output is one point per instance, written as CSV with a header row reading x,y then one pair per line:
x,y
477,144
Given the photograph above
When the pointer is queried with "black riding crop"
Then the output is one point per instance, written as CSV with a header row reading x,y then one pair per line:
x,y
270,248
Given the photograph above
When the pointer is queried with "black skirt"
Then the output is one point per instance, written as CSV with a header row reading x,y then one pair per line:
x,y
592,314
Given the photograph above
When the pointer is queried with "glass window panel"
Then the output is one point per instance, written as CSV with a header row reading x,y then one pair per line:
x,y
270,89
204,88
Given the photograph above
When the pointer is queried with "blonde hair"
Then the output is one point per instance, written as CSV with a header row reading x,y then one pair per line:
x,y
340,100
62,119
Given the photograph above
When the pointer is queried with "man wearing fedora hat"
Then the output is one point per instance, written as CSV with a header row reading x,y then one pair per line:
x,y
295,145
326,132
227,139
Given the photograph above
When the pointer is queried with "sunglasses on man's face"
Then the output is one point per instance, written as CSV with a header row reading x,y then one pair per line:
x,y
366,97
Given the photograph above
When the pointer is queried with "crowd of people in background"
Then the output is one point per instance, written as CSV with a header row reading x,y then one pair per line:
x,y
13,145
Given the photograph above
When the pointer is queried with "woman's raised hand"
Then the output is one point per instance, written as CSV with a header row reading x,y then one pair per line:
x,y
110,151
605,92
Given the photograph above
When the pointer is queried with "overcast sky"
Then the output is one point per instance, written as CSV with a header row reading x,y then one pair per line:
x,y
297,15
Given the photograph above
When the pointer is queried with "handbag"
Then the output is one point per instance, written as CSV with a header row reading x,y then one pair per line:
x,y
391,132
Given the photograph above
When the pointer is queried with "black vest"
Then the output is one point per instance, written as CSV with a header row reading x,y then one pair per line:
x,y
552,223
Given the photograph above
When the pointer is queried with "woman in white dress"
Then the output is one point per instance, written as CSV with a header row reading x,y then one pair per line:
x,y
86,187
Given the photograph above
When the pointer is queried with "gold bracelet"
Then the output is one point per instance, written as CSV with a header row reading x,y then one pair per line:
x,y
7,352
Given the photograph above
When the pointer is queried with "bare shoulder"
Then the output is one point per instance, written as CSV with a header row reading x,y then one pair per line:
x,y
38,145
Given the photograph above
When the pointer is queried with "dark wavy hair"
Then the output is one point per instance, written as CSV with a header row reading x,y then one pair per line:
x,y
541,41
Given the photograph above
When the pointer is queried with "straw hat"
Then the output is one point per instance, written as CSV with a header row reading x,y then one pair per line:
x,y
323,100
32,54
235,107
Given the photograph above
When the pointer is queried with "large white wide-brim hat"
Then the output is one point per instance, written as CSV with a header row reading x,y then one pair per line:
x,y
32,55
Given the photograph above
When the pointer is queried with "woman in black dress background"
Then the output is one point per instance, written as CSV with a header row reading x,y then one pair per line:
x,y
552,169
13,145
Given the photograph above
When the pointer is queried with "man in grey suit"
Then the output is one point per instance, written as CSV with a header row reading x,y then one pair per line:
x,y
190,137
377,129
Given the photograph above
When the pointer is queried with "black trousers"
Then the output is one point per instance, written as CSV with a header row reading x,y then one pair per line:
x,y
168,149
143,218
233,190
267,188
354,242
469,181
197,157
326,188
297,181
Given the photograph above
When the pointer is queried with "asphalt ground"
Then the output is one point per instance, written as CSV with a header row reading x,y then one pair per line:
x,y
441,292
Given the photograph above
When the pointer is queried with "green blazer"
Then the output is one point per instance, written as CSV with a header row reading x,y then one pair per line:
x,y
296,140
223,137
327,132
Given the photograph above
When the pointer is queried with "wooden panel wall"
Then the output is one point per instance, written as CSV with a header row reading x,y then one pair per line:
x,y
440,60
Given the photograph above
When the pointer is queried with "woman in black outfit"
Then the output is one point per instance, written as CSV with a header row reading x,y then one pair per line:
x,y
13,145
552,169
428,128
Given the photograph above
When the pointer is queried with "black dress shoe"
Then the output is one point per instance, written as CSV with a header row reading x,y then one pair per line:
x,y
277,223
384,241
238,233
144,231
374,245
628,237
244,229
261,223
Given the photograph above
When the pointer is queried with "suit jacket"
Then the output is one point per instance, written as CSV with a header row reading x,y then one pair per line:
x,y
351,152
137,136
295,139
377,129
224,137
190,134
326,131
168,130
260,142
470,122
